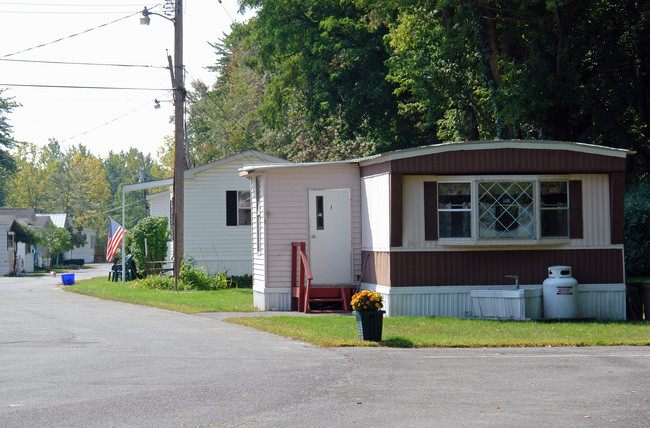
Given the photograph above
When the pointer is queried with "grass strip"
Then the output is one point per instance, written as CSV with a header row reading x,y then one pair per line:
x,y
189,302
422,332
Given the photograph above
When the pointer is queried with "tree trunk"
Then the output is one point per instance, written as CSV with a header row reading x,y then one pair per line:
x,y
492,41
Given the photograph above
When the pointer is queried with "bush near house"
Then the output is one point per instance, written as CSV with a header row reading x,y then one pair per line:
x,y
637,230
157,234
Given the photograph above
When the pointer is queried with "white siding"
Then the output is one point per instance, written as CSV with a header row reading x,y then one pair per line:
x,y
259,258
208,240
159,204
599,301
375,221
87,252
595,211
4,268
286,214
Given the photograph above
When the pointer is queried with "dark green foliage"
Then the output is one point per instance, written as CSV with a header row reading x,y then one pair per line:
x,y
241,281
25,233
7,162
637,230
191,278
157,234
77,236
57,239
330,79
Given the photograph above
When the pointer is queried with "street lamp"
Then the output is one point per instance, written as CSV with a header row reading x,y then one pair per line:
x,y
179,131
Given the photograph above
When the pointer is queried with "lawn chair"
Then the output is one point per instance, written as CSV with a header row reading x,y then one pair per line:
x,y
116,270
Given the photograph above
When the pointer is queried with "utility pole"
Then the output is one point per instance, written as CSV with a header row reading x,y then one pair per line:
x,y
178,78
179,141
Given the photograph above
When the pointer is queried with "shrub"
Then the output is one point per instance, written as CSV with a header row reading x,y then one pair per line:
x,y
241,281
156,231
190,278
637,230
199,279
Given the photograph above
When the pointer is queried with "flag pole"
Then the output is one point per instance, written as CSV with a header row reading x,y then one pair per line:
x,y
124,227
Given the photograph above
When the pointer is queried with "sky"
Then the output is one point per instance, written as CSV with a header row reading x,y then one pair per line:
x,y
102,120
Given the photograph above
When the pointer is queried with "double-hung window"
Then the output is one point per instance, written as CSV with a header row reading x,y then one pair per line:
x,y
484,209
455,210
238,208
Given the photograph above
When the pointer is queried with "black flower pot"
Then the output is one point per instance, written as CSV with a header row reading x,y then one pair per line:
x,y
370,324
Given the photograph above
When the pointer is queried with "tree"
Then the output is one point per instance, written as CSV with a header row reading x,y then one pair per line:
x,y
57,239
155,231
7,162
325,75
125,168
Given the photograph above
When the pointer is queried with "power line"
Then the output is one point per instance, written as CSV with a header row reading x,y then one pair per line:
x,y
108,122
82,63
44,12
68,4
83,87
70,36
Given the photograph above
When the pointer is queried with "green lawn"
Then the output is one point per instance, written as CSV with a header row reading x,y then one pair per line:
x,y
230,300
408,332
403,332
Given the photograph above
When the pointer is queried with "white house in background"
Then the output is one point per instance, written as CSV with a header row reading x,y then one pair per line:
x,y
87,252
42,253
7,244
24,253
217,229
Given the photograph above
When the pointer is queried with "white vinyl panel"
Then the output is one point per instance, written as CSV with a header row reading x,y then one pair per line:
x,y
375,214
4,269
413,212
595,210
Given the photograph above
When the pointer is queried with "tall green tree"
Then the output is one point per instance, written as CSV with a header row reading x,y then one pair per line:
x,y
125,168
7,162
325,71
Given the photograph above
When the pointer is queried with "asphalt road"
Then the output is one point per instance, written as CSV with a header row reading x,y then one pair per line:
x,y
73,361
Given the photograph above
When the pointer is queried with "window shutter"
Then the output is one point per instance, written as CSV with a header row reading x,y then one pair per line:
x,y
430,210
231,208
575,210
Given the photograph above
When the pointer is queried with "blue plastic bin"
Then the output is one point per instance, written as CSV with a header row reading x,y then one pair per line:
x,y
67,279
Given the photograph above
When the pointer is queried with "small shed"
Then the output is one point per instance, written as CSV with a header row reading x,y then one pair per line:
x,y
433,223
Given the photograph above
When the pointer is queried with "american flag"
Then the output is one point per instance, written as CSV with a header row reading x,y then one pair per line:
x,y
115,235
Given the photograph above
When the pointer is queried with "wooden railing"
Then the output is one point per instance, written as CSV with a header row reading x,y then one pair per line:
x,y
300,271
303,294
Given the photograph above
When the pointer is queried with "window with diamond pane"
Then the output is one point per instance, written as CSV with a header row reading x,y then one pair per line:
x,y
506,209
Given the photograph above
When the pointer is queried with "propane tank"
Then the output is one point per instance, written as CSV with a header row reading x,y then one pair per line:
x,y
560,293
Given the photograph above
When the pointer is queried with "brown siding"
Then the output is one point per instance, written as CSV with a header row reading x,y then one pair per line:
x,y
377,268
575,210
430,210
592,266
396,210
378,168
616,202
507,161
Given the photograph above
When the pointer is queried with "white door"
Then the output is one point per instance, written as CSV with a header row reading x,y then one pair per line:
x,y
330,236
